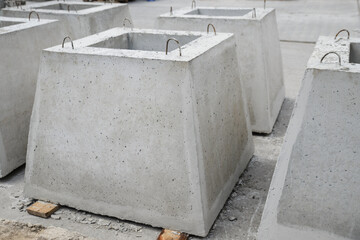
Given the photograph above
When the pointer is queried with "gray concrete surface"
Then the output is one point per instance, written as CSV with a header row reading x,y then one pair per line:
x,y
249,195
151,137
21,42
315,193
79,19
258,51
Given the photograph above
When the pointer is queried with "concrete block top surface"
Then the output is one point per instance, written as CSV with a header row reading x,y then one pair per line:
x,y
343,54
147,44
10,24
65,8
220,13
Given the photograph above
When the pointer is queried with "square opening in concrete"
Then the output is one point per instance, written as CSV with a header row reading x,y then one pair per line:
x,y
219,12
8,23
66,7
258,50
354,53
144,41
79,19
141,129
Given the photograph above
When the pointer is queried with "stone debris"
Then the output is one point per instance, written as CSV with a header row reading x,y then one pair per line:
x,y
55,217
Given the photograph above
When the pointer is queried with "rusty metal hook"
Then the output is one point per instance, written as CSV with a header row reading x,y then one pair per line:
x,y
329,54
193,4
264,4
126,19
254,13
167,45
208,28
343,30
36,15
63,43
171,11
73,6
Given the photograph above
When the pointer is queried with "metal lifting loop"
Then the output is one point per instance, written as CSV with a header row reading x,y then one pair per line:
x,y
126,19
329,54
167,45
193,4
208,28
63,43
254,13
343,30
36,15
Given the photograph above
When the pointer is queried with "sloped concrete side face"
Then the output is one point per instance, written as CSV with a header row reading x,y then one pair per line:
x,y
314,191
271,53
82,25
118,141
261,73
223,122
322,182
19,67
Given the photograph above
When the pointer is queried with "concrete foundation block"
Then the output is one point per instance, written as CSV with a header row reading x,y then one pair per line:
x,y
258,50
21,42
120,128
79,19
315,191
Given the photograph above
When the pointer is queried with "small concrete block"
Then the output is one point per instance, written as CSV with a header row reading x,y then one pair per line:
x,y
315,193
78,19
167,234
258,50
19,65
42,209
142,135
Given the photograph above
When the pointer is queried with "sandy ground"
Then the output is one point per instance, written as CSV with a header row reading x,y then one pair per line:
x,y
11,230
300,23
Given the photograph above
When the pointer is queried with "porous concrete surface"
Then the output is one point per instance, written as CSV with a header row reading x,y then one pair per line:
x,y
302,20
160,139
258,51
82,19
320,154
21,43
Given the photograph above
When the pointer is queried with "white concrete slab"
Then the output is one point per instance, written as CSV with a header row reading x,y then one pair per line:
x,y
315,191
21,42
258,50
79,19
141,135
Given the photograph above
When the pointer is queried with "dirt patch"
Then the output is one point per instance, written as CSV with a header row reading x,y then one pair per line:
x,y
10,230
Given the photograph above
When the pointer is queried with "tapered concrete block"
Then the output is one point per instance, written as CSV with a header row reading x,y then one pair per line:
x,y
258,50
314,193
120,128
21,42
79,19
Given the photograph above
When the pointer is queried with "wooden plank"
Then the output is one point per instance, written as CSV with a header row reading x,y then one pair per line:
x,y
42,209
167,234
